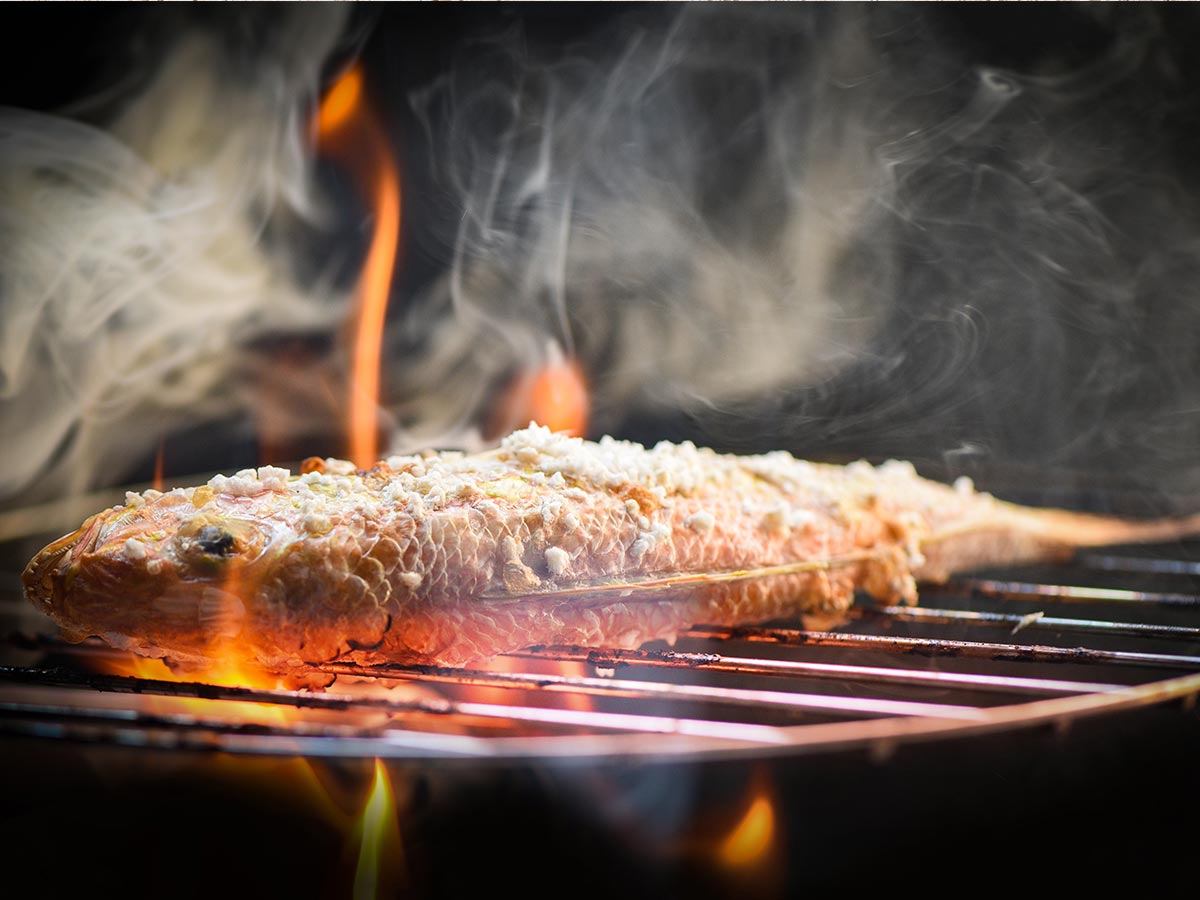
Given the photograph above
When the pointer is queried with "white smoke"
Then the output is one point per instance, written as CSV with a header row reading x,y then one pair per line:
x,y
135,267
822,228
819,228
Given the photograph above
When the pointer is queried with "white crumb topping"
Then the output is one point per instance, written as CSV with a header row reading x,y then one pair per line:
x,y
274,478
135,549
786,518
666,468
133,499
317,523
649,539
550,510
557,560
339,466
466,491
672,469
901,467
543,487
249,482
244,484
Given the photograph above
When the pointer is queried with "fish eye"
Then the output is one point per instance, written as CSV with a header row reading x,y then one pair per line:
x,y
215,541
206,541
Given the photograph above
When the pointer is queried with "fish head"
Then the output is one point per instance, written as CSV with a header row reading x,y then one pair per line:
x,y
172,573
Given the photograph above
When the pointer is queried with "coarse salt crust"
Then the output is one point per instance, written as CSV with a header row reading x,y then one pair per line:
x,y
424,483
558,560
545,539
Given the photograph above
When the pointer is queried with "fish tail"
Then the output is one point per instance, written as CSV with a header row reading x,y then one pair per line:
x,y
1012,535
1089,530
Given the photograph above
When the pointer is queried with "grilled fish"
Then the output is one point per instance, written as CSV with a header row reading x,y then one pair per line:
x,y
448,558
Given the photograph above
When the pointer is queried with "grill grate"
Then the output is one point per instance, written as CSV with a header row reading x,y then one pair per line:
x,y
987,653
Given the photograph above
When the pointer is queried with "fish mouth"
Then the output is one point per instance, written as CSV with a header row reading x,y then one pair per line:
x,y
43,578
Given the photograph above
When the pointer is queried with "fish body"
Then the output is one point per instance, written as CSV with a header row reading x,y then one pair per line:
x,y
448,558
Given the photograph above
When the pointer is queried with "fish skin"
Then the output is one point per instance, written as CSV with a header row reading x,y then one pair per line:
x,y
442,558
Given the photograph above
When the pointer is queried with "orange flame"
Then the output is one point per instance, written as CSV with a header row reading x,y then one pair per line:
x,y
556,395
228,666
227,672
158,468
372,310
751,840
340,103
346,127
380,855
547,697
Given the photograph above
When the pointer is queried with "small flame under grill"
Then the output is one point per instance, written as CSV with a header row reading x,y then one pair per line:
x,y
988,653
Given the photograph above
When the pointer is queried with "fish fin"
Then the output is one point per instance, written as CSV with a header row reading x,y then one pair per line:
x,y
670,582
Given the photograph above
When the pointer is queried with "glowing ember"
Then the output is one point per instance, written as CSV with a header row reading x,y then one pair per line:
x,y
344,124
749,843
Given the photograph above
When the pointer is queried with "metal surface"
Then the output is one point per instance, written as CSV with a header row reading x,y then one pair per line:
x,y
966,663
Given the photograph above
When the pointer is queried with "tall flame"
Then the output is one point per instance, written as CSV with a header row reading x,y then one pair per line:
x,y
345,126
380,849
372,310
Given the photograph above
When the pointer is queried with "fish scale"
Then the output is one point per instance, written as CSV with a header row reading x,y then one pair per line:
x,y
445,558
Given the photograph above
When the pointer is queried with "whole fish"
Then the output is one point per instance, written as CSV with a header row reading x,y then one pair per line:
x,y
449,558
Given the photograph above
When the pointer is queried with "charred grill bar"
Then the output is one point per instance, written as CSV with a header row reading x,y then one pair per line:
x,y
721,692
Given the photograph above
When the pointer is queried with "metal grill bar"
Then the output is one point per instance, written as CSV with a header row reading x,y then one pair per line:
x,y
643,690
673,659
1140,564
1023,590
938,647
534,715
1033,621
658,701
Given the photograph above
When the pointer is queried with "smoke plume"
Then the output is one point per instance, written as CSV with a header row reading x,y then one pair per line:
x,y
141,259
831,230
840,230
